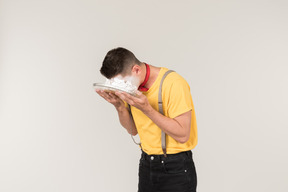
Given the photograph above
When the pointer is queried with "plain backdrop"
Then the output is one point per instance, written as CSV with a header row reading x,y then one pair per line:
x,y
58,135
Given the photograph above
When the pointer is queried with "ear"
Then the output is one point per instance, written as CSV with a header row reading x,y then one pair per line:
x,y
136,69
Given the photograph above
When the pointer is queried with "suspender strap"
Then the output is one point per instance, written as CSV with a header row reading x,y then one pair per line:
x,y
131,116
160,106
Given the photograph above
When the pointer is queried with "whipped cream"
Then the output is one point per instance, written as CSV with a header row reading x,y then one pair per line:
x,y
121,84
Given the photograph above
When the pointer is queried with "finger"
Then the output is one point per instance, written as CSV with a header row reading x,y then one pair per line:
x,y
122,96
99,90
130,97
112,95
119,94
138,93
99,93
104,95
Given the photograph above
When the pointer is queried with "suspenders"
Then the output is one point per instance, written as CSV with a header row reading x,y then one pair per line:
x,y
160,106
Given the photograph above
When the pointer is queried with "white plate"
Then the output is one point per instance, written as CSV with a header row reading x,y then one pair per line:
x,y
111,88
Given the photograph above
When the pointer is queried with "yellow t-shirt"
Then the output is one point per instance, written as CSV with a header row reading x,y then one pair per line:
x,y
177,100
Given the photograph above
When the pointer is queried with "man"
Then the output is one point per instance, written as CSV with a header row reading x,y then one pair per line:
x,y
157,172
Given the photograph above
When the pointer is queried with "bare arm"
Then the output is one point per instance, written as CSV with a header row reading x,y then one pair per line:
x,y
178,127
126,120
123,113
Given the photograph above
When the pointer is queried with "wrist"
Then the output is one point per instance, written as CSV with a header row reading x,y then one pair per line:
x,y
148,111
120,107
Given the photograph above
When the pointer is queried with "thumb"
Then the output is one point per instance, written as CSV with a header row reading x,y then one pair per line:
x,y
138,93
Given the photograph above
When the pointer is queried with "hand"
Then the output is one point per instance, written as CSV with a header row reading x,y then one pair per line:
x,y
139,101
111,98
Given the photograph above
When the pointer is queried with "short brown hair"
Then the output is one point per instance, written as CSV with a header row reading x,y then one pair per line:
x,y
118,61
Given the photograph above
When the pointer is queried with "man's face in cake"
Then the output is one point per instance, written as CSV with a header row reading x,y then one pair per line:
x,y
133,76
129,78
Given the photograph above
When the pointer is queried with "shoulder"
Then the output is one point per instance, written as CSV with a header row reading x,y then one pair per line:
x,y
173,79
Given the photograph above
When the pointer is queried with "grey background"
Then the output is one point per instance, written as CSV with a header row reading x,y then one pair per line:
x,y
57,134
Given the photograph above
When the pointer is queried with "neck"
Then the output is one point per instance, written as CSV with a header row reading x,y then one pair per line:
x,y
154,71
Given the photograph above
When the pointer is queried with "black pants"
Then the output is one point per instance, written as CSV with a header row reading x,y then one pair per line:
x,y
176,173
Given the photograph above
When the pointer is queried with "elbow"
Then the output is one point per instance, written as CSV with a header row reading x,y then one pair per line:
x,y
183,140
134,134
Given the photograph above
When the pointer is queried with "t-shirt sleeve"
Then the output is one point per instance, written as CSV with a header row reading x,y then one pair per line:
x,y
179,99
126,104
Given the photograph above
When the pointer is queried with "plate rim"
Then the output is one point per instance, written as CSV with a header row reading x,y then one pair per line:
x,y
113,87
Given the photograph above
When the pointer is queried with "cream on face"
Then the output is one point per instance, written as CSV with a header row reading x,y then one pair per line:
x,y
130,79
128,83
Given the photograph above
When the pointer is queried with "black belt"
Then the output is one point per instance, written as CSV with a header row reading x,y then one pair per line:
x,y
144,155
